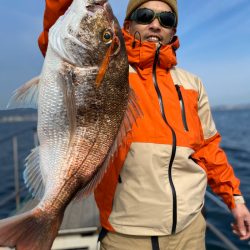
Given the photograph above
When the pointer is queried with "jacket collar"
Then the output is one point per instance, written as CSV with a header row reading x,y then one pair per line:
x,y
142,54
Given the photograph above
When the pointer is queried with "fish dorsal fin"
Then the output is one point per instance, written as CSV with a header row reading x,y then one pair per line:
x,y
132,113
33,177
26,96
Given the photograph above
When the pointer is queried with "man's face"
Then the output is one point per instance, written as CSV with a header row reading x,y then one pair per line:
x,y
152,32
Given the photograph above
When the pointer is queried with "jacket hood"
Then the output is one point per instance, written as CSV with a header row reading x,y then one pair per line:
x,y
141,54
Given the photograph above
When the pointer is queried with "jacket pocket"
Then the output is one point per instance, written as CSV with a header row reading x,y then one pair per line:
x,y
182,106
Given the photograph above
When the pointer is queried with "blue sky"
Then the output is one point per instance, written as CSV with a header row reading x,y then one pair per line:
x,y
214,37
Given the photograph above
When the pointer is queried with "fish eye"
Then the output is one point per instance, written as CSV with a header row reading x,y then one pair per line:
x,y
107,36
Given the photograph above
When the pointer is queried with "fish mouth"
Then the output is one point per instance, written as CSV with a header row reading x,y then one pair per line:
x,y
95,5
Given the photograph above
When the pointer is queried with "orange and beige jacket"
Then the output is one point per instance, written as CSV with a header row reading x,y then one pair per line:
x,y
156,183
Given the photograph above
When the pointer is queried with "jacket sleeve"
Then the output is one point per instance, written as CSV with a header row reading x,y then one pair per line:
x,y
212,158
53,10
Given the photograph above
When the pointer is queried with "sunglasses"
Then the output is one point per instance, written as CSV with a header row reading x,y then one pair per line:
x,y
167,19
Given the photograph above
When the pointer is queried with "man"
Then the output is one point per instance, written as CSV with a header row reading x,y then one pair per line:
x,y
152,195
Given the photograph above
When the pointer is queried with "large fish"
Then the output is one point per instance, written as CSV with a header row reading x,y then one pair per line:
x,y
85,107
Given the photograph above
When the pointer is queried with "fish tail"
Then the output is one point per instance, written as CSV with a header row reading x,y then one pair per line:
x,y
29,231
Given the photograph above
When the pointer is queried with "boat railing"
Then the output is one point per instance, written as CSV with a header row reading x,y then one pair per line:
x,y
19,188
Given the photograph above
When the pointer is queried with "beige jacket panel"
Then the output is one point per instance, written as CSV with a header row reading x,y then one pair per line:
x,y
143,201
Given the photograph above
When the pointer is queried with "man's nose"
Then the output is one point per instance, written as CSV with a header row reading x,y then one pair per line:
x,y
155,24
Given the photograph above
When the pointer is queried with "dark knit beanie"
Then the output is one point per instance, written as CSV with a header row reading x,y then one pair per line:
x,y
134,4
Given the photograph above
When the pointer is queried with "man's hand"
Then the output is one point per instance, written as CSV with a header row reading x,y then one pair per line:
x,y
241,226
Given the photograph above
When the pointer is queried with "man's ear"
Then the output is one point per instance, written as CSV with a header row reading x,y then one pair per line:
x,y
174,31
172,34
126,25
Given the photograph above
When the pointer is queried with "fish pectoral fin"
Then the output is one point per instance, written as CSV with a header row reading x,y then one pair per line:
x,y
33,176
32,230
26,96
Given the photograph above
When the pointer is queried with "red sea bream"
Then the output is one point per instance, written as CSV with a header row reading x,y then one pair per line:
x,y
85,107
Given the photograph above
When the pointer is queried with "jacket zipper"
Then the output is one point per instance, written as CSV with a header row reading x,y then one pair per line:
x,y
156,60
183,112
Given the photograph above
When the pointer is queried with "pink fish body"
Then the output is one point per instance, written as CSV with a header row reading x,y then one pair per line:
x,y
85,107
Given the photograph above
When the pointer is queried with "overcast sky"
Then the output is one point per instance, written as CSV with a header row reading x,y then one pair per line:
x,y
214,37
